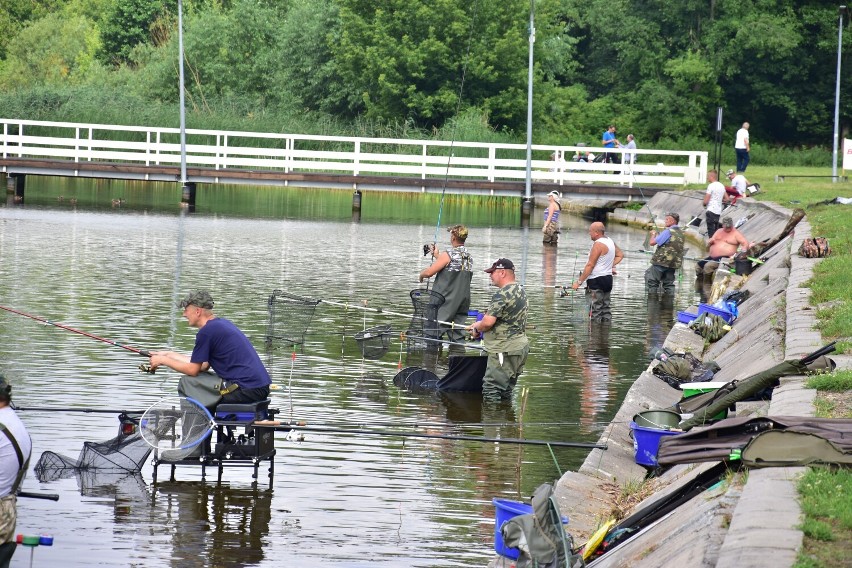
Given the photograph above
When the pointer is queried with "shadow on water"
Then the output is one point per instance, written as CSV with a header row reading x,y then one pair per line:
x,y
337,499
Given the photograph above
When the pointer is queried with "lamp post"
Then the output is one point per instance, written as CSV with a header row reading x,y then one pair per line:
x,y
843,10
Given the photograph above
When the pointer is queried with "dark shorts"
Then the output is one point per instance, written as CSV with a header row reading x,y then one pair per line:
x,y
246,395
603,283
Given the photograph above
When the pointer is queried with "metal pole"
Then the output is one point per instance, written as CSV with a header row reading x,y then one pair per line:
x,y
842,10
182,98
528,193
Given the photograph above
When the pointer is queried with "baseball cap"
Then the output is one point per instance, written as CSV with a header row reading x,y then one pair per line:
x,y
458,230
555,194
674,216
200,298
501,263
730,173
727,222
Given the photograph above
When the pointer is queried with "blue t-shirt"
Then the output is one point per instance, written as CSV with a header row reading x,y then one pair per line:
x,y
663,237
609,139
230,353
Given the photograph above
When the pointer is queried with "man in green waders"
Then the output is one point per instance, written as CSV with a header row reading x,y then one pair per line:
x,y
503,328
660,276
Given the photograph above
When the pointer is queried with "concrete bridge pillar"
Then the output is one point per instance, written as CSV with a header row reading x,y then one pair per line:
x,y
15,184
356,200
526,212
188,194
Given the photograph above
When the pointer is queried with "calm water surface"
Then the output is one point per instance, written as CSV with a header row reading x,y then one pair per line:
x,y
337,499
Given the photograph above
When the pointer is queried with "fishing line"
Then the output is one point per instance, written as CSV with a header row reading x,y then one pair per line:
x,y
456,120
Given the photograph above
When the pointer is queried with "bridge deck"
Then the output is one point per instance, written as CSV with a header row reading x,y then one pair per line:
x,y
129,171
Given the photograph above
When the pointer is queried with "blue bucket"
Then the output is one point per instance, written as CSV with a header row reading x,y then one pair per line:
x,y
503,511
646,443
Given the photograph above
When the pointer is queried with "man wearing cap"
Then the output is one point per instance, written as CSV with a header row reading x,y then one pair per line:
x,y
714,200
597,274
15,450
219,345
738,185
452,269
503,329
725,242
660,276
550,229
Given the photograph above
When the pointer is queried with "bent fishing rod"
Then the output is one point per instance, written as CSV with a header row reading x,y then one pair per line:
x,y
280,426
141,352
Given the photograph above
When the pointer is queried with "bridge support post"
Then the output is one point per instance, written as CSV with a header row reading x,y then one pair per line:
x,y
526,212
356,200
15,184
188,194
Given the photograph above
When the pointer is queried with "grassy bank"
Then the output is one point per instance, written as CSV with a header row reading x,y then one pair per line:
x,y
825,495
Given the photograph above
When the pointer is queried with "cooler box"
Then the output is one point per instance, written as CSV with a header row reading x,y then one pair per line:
x,y
708,309
690,389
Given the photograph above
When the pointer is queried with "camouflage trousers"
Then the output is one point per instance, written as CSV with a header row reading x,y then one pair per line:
x,y
501,374
599,305
660,279
8,517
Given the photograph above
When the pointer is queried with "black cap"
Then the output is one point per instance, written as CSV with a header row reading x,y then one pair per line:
x,y
501,263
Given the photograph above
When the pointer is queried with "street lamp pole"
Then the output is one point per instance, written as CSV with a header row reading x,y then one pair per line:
x,y
843,11
528,192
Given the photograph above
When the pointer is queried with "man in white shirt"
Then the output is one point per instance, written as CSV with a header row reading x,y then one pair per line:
x,y
598,272
742,148
714,199
629,157
739,183
15,450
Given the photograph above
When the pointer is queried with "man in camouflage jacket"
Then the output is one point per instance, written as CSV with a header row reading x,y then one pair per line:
x,y
667,258
504,332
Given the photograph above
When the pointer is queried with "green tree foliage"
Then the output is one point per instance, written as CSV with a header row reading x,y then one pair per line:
x,y
52,50
655,68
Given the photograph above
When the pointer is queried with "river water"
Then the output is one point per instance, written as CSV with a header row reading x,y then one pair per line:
x,y
112,259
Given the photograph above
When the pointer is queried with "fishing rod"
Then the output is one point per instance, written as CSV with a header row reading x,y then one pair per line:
x,y
141,352
29,495
452,325
652,252
279,426
82,410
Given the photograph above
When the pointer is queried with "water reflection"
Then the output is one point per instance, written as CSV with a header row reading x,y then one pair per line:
x,y
117,272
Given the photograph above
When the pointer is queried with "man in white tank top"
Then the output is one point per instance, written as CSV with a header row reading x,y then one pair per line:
x,y
598,273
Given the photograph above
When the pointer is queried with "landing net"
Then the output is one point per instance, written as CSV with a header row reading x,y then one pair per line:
x,y
289,318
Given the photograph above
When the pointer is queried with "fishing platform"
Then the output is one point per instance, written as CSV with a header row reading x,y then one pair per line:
x,y
234,442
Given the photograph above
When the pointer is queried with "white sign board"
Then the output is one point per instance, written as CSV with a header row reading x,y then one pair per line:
x,y
847,154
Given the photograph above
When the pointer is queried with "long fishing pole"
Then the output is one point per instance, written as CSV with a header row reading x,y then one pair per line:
x,y
77,331
279,426
83,410
452,325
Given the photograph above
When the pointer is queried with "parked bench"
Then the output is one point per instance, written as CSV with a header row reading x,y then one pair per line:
x,y
782,177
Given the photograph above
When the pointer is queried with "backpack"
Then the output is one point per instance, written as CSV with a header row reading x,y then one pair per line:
x,y
816,247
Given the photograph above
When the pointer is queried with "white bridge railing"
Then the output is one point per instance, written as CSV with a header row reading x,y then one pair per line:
x,y
259,151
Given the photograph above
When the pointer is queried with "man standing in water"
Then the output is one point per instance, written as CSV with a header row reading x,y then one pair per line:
x,y
598,272
660,276
15,450
503,329
452,269
220,345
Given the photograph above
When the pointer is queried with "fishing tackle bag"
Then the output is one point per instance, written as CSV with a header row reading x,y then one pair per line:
x,y
815,247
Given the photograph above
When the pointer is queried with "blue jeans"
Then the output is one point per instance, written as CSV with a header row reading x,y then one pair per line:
x,y
742,159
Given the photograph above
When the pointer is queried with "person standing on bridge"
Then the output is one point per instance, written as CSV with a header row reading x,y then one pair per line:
x,y
660,276
598,272
609,141
551,218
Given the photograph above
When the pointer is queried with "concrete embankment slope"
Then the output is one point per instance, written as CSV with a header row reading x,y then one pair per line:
x,y
732,524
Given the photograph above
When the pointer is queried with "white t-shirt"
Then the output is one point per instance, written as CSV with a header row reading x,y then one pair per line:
x,y
716,191
8,457
742,139
739,182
